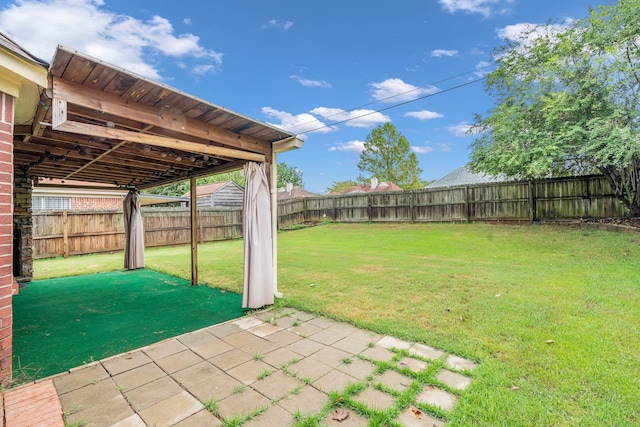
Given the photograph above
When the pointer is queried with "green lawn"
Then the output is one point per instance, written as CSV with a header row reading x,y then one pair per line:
x,y
495,294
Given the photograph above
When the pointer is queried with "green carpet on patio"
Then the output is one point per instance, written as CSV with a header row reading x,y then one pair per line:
x,y
66,322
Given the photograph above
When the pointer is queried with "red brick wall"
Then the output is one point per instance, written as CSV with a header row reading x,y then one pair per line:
x,y
6,234
96,203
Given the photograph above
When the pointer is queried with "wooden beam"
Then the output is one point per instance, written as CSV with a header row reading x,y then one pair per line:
x,y
112,104
226,167
158,141
194,232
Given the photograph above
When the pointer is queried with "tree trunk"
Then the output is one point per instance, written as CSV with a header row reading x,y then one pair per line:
x,y
626,184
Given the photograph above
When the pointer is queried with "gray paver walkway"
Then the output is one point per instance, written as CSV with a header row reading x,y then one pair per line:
x,y
274,368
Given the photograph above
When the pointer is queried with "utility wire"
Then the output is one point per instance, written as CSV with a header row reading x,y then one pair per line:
x,y
394,96
396,105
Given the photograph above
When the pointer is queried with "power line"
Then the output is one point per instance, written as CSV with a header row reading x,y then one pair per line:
x,y
394,96
396,105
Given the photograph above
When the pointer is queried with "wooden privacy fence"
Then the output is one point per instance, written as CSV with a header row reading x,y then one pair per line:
x,y
84,232
521,201
74,233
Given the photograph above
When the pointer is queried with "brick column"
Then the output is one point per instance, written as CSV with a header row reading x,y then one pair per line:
x,y
23,222
6,234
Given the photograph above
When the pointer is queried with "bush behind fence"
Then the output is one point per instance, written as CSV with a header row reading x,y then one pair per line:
x,y
75,233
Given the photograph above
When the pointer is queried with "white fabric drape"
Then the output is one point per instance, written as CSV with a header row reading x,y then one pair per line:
x,y
133,232
258,256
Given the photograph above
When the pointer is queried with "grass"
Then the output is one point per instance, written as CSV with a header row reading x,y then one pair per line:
x,y
494,294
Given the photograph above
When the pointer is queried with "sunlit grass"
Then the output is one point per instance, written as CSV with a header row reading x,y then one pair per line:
x,y
495,294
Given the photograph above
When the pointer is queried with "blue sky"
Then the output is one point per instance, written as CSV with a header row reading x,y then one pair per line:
x,y
305,66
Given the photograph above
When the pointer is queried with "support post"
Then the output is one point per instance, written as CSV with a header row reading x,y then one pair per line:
x,y
65,235
273,188
532,204
194,232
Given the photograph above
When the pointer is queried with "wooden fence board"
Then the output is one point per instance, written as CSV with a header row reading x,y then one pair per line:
x,y
562,198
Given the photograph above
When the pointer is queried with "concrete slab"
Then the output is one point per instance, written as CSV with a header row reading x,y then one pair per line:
x,y
126,361
283,337
164,349
375,399
453,379
334,381
218,387
200,419
353,420
412,364
197,338
459,363
310,368
88,396
394,381
248,372
378,353
212,348
179,361
105,412
305,347
408,419
359,369
196,373
223,330
306,402
151,393
280,356
230,359
242,339
434,396
331,356
274,416
276,385
247,322
391,342
242,404
265,329
426,351
79,378
305,329
139,376
132,421
172,410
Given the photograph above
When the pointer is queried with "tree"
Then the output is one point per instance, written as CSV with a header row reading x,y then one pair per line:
x,y
340,186
567,102
289,174
388,157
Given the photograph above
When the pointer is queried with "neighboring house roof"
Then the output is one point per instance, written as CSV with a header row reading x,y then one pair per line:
x,y
463,176
293,193
71,188
367,188
9,44
207,189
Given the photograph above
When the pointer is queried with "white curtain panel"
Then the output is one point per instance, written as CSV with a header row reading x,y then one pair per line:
x,y
258,256
133,232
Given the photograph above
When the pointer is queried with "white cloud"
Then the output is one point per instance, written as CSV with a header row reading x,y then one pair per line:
x,y
424,115
395,90
477,51
422,150
311,83
446,148
438,53
351,146
298,124
186,21
485,8
84,25
462,129
354,118
525,33
482,68
274,24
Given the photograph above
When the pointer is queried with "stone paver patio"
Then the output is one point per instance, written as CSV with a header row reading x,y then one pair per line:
x,y
274,368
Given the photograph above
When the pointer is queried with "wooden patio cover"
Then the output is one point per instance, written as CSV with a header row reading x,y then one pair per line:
x,y
102,124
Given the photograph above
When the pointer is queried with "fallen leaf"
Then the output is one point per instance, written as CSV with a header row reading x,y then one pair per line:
x,y
550,341
461,319
311,285
498,295
416,412
514,388
339,399
339,415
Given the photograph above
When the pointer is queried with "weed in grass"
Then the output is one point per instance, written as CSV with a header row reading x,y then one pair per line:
x,y
346,360
296,323
236,421
371,344
76,423
264,374
258,356
211,405
306,380
239,389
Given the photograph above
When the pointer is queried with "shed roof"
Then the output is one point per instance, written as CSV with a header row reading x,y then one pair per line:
x,y
207,189
463,176
296,192
97,122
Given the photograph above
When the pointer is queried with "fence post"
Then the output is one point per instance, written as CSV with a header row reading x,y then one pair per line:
x,y
412,214
467,205
335,216
65,235
304,209
532,204
369,207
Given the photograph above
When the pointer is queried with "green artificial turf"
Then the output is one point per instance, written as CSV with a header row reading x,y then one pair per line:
x,y
66,322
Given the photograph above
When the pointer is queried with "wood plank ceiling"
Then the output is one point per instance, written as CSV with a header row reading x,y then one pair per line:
x,y
101,124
